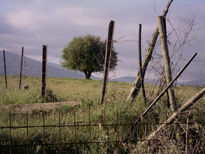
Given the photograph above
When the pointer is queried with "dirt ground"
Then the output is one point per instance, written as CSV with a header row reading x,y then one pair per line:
x,y
23,108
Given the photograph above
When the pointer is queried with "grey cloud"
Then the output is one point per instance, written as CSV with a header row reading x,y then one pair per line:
x,y
57,29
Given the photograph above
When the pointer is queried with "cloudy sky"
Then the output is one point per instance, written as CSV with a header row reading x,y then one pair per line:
x,y
32,23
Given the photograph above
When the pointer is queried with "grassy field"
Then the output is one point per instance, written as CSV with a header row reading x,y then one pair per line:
x,y
65,89
86,93
77,90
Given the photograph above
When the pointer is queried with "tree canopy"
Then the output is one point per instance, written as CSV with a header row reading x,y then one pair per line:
x,y
87,54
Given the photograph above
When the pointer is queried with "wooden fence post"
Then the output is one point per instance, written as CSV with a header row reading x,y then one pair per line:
x,y
108,55
140,61
5,74
134,91
44,62
184,107
21,67
165,52
163,92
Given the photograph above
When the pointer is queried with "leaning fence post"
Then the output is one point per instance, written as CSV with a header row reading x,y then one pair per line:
x,y
140,61
5,74
44,61
162,93
165,52
107,58
21,67
134,91
176,114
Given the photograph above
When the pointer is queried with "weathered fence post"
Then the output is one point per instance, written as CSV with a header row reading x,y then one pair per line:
x,y
5,74
21,67
176,114
44,62
137,83
108,55
185,106
165,52
140,61
163,92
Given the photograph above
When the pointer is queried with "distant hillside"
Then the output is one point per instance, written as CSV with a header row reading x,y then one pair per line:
x,y
125,79
131,79
33,68
194,83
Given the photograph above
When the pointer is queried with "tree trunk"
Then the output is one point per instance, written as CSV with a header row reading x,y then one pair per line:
x,y
87,74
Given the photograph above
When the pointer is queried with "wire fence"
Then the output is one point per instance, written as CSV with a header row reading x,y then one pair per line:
x,y
60,132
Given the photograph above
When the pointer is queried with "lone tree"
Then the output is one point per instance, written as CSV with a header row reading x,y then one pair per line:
x,y
87,54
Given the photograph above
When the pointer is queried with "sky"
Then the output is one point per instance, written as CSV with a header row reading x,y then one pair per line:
x,y
32,23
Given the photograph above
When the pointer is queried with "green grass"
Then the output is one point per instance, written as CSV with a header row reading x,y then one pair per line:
x,y
65,89
88,93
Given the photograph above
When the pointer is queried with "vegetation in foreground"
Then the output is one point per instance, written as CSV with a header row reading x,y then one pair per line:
x,y
87,93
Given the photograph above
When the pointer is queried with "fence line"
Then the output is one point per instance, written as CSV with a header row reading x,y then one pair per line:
x,y
75,126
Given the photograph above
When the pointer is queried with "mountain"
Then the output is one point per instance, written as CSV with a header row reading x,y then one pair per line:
x,y
131,79
194,83
33,68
